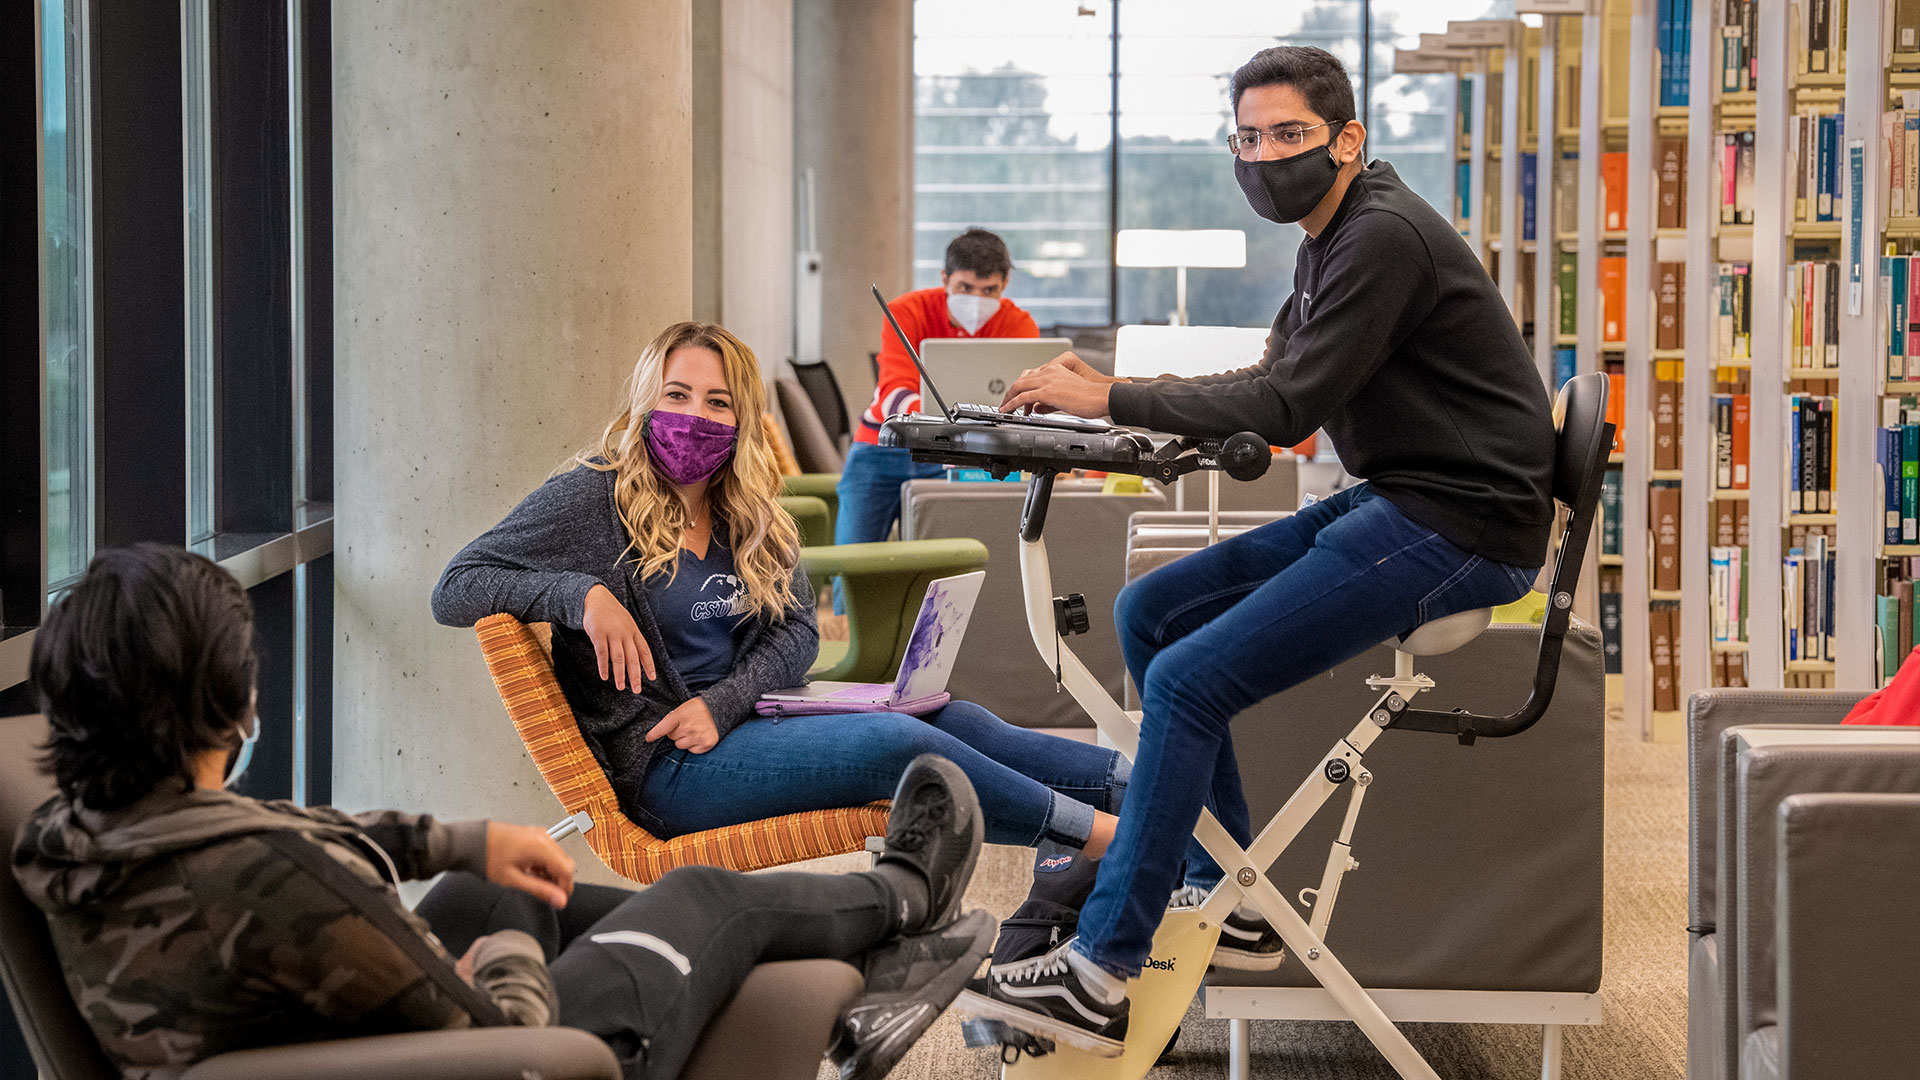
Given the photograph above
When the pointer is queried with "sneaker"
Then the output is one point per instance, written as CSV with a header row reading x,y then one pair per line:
x,y
1045,997
910,982
1247,943
934,831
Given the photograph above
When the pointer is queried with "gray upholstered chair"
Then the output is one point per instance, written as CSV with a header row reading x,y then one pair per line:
x,y
776,1026
1789,972
1087,532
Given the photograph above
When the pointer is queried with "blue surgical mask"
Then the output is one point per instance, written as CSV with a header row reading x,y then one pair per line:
x,y
240,760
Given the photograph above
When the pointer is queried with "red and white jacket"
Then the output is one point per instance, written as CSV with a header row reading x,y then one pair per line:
x,y
923,314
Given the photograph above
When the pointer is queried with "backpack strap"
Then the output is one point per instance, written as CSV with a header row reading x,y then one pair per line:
x,y
372,903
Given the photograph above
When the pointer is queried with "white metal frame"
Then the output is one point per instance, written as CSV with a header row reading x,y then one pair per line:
x,y
1341,995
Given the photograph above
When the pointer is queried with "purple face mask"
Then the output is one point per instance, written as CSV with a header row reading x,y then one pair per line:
x,y
687,448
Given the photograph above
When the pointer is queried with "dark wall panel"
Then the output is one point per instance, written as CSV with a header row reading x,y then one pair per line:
x,y
252,244
139,258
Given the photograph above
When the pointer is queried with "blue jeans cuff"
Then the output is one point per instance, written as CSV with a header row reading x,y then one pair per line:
x,y
1069,821
1119,970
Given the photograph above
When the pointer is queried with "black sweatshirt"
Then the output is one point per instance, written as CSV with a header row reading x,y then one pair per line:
x,y
1396,342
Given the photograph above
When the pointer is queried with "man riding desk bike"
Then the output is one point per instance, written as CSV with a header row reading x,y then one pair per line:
x,y
1397,343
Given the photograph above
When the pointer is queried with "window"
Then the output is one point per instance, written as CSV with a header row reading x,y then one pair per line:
x,y
1176,60
1411,116
66,301
1057,125
1013,130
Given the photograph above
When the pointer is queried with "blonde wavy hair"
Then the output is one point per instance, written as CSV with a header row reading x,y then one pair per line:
x,y
745,493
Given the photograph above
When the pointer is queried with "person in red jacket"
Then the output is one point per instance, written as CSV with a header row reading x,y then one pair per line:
x,y
968,304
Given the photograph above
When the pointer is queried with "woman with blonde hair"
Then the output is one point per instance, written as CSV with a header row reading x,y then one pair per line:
x,y
671,577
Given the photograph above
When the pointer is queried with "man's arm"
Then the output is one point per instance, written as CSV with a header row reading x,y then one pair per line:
x,y
898,389
1377,284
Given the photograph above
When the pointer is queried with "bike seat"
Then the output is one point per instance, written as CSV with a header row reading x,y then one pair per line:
x,y
1443,635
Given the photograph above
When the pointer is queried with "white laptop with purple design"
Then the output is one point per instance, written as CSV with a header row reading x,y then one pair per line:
x,y
921,685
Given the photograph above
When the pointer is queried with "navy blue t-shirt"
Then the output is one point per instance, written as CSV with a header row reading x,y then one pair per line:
x,y
699,611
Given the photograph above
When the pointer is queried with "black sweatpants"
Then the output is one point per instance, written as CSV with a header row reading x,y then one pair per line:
x,y
647,969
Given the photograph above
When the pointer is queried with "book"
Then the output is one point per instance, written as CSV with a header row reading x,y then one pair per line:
x,y
1666,405
1664,520
1566,293
1529,192
1661,624
1613,190
1671,191
1610,512
1610,623
1613,298
1669,310
1742,425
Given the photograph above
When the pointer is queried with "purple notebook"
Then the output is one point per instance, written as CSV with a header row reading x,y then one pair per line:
x,y
921,685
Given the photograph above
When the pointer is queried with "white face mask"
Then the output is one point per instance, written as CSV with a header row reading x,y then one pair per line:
x,y
971,312
240,760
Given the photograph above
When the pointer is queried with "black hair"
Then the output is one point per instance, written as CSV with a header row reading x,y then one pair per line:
x,y
147,664
979,252
1317,74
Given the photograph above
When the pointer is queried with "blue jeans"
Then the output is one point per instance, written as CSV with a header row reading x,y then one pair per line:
x,y
1032,786
869,491
1223,628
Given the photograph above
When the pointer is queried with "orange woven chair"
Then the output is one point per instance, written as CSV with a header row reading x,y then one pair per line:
x,y
522,669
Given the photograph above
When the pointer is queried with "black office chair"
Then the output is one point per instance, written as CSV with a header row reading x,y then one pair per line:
x,y
823,390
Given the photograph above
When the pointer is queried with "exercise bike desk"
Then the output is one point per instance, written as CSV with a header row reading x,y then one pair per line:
x,y
1187,936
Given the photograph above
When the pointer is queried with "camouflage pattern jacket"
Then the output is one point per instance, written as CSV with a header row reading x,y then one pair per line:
x,y
183,935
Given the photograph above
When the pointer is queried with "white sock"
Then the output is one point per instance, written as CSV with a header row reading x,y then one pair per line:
x,y
1108,987
1248,912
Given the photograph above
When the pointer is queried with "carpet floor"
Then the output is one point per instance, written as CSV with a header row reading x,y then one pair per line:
x,y
1643,985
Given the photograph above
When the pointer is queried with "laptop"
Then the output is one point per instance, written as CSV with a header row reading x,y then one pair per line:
x,y
921,684
981,413
981,369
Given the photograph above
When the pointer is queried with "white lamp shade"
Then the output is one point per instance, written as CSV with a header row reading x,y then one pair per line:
x,y
1181,247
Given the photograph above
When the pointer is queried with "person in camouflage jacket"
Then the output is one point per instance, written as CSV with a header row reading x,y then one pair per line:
x,y
186,926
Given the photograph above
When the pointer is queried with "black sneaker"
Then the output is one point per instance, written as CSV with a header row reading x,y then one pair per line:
x,y
1246,944
934,831
910,982
1045,997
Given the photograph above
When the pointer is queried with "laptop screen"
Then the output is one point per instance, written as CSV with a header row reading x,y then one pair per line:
x,y
935,642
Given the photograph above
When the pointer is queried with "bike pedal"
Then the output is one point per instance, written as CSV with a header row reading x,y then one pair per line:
x,y
1011,1041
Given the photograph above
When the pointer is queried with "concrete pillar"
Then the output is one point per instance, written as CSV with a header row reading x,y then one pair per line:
x,y
743,250
853,108
513,217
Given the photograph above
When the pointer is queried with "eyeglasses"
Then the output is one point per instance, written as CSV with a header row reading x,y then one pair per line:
x,y
1246,144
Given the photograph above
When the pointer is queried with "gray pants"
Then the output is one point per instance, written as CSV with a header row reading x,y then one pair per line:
x,y
669,956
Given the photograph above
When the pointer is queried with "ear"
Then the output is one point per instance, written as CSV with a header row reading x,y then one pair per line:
x,y
944,275
1352,142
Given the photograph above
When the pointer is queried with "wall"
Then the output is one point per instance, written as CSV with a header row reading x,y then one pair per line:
x,y
513,204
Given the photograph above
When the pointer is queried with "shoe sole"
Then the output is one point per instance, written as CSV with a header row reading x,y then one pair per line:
x,y
1033,1023
1235,960
966,805
938,993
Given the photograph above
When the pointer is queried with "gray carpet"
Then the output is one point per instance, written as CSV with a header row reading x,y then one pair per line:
x,y
1643,986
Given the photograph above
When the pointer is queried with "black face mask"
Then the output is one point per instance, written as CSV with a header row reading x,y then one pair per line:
x,y
1287,189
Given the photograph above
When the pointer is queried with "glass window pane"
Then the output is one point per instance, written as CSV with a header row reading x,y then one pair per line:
x,y
1411,121
1012,125
68,329
1176,60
